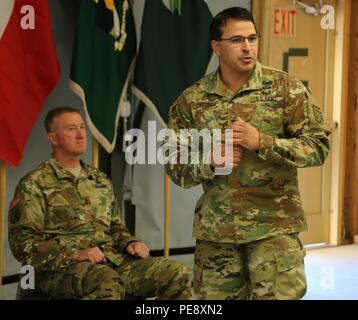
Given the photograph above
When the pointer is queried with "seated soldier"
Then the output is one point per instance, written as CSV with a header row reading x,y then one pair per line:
x,y
65,222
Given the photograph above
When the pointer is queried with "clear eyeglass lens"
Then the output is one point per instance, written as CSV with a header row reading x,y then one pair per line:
x,y
239,40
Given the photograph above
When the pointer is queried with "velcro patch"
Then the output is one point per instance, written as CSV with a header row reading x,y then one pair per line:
x,y
318,114
203,105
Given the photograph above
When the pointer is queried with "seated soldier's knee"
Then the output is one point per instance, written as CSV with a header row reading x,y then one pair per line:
x,y
103,283
182,271
180,281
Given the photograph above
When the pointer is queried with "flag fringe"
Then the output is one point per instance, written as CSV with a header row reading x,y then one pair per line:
x,y
102,140
143,97
212,64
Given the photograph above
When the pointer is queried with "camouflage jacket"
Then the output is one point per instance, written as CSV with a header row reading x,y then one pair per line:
x,y
260,198
54,214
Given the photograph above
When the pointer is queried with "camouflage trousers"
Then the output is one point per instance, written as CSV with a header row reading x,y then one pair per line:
x,y
268,269
142,278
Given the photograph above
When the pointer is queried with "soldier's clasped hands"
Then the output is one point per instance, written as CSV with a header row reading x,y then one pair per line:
x,y
245,135
93,255
138,249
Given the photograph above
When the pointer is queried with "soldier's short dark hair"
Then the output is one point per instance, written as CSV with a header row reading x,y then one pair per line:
x,y
56,112
220,20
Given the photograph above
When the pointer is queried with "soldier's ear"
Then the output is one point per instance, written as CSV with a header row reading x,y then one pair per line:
x,y
215,45
51,136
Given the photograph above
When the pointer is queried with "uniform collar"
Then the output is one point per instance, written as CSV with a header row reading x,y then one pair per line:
x,y
254,82
62,173
214,85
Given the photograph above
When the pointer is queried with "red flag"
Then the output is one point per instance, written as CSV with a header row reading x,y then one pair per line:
x,y
29,70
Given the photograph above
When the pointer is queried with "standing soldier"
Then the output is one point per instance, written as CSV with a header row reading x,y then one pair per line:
x,y
65,222
247,223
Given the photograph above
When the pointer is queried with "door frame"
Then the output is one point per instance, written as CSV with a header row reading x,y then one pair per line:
x,y
335,196
340,113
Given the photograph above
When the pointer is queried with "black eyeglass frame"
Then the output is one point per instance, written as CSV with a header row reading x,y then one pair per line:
x,y
242,37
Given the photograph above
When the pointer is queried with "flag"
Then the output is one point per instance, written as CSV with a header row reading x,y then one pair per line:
x,y
174,52
102,64
29,70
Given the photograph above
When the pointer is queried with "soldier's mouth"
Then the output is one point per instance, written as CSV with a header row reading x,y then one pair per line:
x,y
247,59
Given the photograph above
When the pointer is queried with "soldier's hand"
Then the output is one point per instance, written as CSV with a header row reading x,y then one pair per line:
x,y
232,159
138,249
245,135
93,255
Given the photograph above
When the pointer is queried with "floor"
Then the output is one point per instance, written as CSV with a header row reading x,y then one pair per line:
x,y
332,274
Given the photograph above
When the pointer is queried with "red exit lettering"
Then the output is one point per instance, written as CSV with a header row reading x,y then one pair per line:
x,y
285,21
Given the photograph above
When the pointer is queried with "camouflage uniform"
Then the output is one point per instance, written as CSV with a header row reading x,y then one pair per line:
x,y
259,201
53,214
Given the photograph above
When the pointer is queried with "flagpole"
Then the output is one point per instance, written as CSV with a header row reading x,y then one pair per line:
x,y
2,216
95,153
167,215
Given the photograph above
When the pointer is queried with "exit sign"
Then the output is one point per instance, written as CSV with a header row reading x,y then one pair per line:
x,y
284,21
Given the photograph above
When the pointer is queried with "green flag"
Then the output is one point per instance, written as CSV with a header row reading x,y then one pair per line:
x,y
102,63
174,52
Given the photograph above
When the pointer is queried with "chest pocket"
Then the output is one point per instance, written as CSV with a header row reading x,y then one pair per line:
x,y
248,112
98,203
64,210
210,115
271,118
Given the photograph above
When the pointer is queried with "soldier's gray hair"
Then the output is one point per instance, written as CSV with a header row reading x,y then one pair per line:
x,y
56,112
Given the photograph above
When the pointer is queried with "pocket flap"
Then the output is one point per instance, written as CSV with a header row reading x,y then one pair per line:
x,y
289,259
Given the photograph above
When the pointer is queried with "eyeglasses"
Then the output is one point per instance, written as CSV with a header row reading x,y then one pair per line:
x,y
240,40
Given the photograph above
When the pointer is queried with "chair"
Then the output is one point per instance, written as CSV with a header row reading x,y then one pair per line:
x,y
35,294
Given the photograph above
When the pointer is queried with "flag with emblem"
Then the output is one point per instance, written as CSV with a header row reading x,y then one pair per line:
x,y
174,51
29,71
102,64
